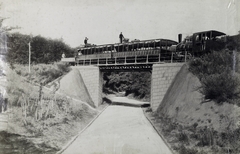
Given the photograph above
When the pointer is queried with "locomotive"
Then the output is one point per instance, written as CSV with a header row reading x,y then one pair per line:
x,y
200,43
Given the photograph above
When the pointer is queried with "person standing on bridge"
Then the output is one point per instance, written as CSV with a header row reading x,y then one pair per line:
x,y
85,41
121,37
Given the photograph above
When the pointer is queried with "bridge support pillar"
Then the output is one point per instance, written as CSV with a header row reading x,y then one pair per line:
x,y
93,80
162,77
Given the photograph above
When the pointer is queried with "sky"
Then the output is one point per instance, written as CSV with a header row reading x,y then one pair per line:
x,y
103,20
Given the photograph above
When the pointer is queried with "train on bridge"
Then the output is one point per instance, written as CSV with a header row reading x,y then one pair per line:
x,y
150,51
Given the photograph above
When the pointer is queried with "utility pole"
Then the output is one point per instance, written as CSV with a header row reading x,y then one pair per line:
x,y
29,70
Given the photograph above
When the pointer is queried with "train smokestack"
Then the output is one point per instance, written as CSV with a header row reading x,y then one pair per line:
x,y
179,38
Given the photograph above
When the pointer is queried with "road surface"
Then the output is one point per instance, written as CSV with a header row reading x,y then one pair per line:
x,y
119,130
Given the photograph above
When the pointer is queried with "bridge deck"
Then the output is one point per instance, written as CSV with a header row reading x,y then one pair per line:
x,y
150,56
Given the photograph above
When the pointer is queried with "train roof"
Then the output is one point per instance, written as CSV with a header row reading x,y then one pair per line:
x,y
165,42
214,33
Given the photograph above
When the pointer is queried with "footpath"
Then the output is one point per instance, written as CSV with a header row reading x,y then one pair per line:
x,y
120,129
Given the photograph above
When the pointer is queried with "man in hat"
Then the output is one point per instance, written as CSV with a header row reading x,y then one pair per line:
x,y
85,41
121,37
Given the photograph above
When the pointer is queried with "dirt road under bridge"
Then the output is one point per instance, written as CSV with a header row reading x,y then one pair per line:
x,y
119,130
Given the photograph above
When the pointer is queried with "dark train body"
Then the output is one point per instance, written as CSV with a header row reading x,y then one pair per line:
x,y
201,42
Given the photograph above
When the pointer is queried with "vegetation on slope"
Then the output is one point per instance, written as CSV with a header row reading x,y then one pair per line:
x,y
42,73
218,74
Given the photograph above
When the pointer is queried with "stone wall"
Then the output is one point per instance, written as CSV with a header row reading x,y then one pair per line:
x,y
93,80
162,77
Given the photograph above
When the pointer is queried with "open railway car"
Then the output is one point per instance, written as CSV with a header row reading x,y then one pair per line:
x,y
129,46
135,51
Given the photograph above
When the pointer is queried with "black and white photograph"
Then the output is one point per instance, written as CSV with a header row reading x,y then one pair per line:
x,y
119,77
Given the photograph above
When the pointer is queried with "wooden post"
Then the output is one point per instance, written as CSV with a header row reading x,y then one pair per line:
x,y
29,70
172,58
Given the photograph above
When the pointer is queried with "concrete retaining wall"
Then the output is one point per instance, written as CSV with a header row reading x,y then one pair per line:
x,y
93,80
162,77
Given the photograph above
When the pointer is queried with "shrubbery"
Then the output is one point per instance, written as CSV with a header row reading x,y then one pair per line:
x,y
218,75
43,73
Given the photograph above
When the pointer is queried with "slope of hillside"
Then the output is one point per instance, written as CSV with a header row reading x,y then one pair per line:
x,y
55,111
185,104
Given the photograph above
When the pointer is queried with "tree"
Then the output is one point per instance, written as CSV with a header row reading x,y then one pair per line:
x,y
43,50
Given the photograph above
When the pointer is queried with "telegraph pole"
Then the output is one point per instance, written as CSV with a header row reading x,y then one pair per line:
x,y
29,44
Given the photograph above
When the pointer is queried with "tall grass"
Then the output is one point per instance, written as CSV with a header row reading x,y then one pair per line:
x,y
197,140
42,113
42,73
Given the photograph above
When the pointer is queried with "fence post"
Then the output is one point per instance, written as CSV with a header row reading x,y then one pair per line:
x,y
172,58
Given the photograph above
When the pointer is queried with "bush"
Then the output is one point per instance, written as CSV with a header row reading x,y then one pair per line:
x,y
43,73
216,73
220,87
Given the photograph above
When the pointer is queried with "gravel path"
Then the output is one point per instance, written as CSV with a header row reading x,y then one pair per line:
x,y
119,130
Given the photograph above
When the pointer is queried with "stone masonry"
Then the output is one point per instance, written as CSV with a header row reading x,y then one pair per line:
x,y
162,77
93,80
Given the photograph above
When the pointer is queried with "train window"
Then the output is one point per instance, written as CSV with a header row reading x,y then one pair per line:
x,y
197,38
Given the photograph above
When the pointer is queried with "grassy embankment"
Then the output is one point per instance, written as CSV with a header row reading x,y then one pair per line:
x,y
43,117
200,112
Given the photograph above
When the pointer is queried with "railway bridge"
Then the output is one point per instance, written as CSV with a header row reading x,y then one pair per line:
x,y
164,68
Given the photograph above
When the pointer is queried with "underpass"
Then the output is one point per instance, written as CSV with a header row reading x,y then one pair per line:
x,y
120,129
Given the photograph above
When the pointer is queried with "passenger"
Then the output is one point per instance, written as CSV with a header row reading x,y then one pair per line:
x,y
85,41
121,37
79,53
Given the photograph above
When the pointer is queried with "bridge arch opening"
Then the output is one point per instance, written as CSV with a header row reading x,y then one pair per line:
x,y
162,76
129,83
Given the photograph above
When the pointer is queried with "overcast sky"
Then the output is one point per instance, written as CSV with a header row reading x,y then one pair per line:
x,y
102,20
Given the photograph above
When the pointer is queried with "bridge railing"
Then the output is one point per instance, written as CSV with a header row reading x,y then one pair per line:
x,y
153,55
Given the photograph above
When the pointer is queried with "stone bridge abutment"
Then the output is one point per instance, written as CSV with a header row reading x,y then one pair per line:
x,y
162,77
